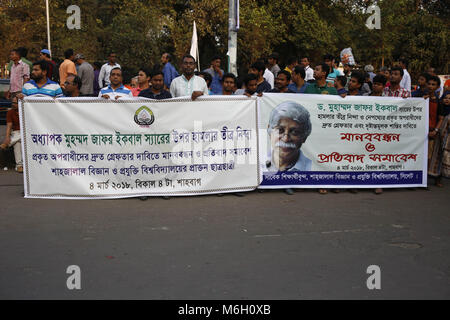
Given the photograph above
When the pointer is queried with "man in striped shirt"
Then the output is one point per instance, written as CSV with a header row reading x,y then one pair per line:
x,y
115,89
40,85
394,90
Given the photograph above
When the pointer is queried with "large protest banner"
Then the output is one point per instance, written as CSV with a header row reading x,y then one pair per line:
x,y
97,148
325,141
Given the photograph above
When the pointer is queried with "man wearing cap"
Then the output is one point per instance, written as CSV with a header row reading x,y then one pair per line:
x,y
86,74
52,68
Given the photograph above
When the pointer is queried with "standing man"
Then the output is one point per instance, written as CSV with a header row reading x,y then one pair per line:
x,y
168,69
291,63
309,72
20,74
355,84
228,84
23,56
395,90
12,137
156,91
86,74
105,71
329,60
115,89
268,75
67,67
379,82
320,85
188,84
40,85
406,79
369,69
73,85
298,84
53,73
422,89
250,83
385,72
216,74
282,82
97,67
143,79
258,69
273,63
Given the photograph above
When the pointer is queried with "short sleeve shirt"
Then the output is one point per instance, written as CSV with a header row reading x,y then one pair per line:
x,y
64,69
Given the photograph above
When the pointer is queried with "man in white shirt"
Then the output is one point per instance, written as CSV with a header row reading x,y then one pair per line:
x,y
105,71
406,80
273,64
268,75
188,84
115,89
309,72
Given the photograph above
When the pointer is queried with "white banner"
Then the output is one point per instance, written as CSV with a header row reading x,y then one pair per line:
x,y
325,141
96,148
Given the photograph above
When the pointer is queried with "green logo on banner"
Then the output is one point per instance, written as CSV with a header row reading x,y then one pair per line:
x,y
144,116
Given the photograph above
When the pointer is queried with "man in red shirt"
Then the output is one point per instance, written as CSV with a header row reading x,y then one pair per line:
x,y
12,138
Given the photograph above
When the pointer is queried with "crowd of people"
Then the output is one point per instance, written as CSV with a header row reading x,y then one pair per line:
x,y
75,77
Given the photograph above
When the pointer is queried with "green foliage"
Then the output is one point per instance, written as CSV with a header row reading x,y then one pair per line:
x,y
141,30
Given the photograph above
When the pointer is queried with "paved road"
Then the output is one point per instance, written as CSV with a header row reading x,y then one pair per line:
x,y
261,246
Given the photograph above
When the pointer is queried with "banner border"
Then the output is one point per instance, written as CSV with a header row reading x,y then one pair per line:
x,y
26,178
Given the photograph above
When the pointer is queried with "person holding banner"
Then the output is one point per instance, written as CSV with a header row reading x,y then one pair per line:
x,y
439,164
156,91
250,83
394,90
228,84
40,85
299,83
355,84
320,87
188,84
282,82
115,89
